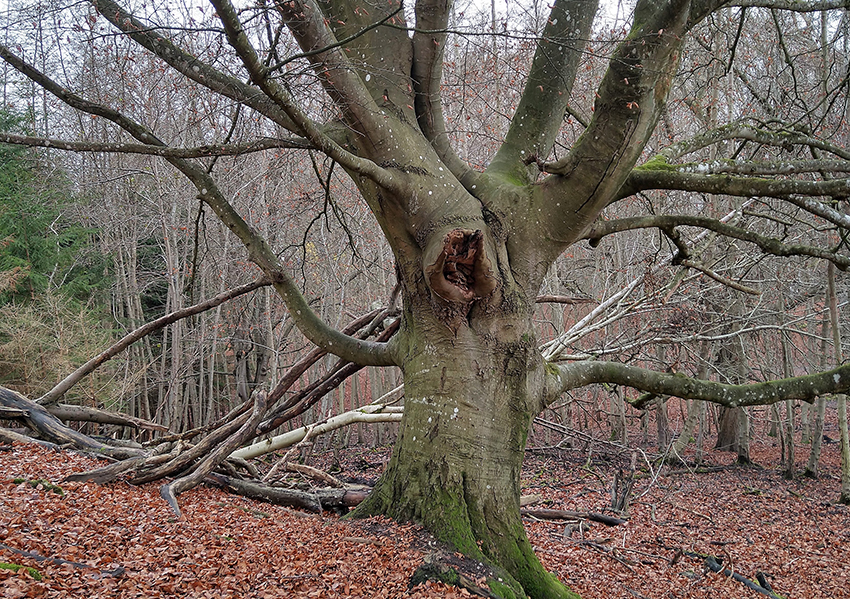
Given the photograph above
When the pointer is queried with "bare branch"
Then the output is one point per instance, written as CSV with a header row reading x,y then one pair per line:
x,y
429,42
806,388
547,91
784,139
259,145
793,5
56,393
358,101
191,66
668,222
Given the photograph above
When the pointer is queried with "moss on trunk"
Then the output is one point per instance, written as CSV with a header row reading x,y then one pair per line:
x,y
470,396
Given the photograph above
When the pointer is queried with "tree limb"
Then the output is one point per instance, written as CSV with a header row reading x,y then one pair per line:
x,y
544,99
258,145
806,388
768,245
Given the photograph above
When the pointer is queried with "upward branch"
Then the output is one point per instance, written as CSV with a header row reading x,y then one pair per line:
x,y
629,102
547,91
429,41
259,74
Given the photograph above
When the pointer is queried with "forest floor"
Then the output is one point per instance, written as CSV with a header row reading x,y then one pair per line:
x,y
125,542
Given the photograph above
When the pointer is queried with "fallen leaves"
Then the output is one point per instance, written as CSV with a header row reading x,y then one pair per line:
x,y
126,542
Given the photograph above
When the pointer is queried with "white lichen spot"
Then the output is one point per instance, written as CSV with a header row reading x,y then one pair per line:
x,y
837,378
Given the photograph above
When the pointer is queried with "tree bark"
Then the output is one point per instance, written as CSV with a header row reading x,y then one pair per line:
x,y
469,401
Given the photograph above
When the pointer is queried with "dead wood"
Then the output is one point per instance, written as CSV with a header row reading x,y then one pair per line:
x,y
184,459
12,413
115,572
314,473
715,566
562,299
170,491
50,428
530,500
545,514
192,433
9,436
106,474
300,402
314,501
68,412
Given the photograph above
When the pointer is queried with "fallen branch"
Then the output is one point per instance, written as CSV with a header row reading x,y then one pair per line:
x,y
569,515
314,501
86,414
314,473
61,562
10,436
370,413
713,565
170,491
49,427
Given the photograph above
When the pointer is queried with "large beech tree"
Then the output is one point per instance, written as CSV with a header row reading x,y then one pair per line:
x,y
472,247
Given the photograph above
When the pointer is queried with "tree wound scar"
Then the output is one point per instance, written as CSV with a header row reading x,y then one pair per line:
x,y
461,272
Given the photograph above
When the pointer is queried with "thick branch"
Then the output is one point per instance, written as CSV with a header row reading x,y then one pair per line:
x,y
793,5
429,41
806,388
189,65
370,413
88,414
356,98
629,102
170,491
547,91
51,428
768,245
258,145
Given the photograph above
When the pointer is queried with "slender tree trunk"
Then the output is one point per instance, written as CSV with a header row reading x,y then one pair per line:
x,y
844,496
788,436
820,408
618,416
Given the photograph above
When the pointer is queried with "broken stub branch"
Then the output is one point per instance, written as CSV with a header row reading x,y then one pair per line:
x,y
462,272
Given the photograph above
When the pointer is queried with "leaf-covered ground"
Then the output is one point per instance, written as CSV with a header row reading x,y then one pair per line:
x,y
227,546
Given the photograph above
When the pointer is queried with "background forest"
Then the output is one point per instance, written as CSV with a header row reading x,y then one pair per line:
x,y
96,244
443,184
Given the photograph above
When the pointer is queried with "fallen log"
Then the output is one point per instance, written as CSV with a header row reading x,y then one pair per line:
x,y
50,428
87,414
170,491
314,501
369,413
570,515
10,436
